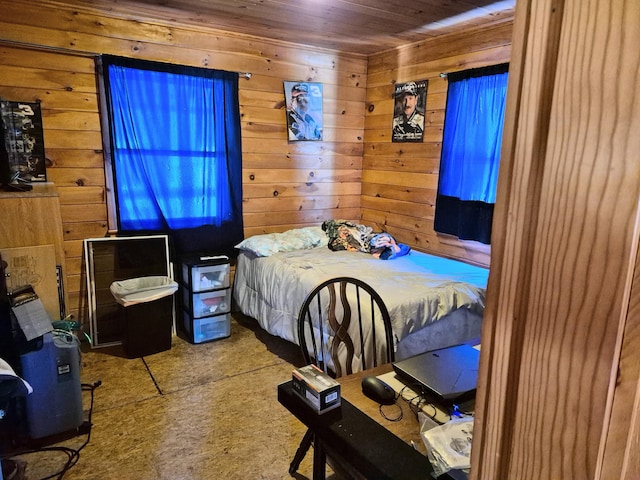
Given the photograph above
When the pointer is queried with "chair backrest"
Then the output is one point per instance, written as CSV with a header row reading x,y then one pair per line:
x,y
344,327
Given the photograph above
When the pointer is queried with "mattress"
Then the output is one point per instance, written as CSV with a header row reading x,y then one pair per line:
x,y
433,301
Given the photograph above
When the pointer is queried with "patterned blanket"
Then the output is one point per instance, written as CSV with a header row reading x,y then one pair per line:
x,y
351,236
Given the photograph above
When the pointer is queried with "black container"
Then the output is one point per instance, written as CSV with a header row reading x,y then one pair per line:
x,y
148,327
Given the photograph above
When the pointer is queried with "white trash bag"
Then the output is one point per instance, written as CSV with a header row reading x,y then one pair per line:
x,y
142,289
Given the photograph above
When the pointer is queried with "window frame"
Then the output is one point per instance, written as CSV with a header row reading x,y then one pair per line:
x,y
472,208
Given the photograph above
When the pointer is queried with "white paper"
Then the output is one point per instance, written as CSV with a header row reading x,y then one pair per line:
x,y
33,319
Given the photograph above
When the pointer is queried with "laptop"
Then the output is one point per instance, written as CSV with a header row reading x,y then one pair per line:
x,y
450,374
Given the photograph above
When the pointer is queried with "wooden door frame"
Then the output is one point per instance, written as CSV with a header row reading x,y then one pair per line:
x,y
557,384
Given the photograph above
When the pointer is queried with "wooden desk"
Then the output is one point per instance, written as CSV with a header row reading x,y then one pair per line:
x,y
408,429
356,432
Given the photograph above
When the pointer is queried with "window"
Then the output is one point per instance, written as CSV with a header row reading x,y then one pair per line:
x,y
470,159
175,158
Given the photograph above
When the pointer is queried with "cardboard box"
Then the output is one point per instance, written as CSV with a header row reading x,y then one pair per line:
x,y
316,388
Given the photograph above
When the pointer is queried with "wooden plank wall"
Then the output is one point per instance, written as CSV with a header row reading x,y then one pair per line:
x,y
400,180
285,185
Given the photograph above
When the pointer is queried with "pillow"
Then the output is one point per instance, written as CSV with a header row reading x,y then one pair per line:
x,y
296,239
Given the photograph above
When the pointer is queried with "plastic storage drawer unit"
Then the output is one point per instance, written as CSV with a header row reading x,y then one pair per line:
x,y
205,297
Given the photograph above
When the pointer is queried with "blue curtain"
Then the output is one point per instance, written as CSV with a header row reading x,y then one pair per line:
x,y
176,150
470,159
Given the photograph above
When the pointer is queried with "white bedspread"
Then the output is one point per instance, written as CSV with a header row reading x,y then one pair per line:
x,y
418,289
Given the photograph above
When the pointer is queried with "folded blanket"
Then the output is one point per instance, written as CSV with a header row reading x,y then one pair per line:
x,y
351,236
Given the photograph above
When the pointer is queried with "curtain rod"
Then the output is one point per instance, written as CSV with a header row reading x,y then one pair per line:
x,y
47,48
80,53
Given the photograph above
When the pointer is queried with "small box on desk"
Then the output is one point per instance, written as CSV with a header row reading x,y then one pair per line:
x,y
317,388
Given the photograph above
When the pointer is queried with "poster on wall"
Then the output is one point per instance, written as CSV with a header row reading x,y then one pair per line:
x,y
408,115
23,140
304,110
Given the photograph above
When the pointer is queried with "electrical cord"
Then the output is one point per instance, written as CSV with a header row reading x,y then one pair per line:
x,y
398,417
419,402
73,455
69,325
64,338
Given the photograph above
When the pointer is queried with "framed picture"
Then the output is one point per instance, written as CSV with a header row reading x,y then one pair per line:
x,y
304,110
409,107
23,140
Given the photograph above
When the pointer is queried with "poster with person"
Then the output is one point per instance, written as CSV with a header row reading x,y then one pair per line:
x,y
409,107
304,110
22,134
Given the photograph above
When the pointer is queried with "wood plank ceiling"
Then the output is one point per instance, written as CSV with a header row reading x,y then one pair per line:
x,y
357,26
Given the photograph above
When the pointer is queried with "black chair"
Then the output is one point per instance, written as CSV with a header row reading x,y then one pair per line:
x,y
343,327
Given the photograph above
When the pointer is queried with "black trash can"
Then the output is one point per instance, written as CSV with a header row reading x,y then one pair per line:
x,y
147,303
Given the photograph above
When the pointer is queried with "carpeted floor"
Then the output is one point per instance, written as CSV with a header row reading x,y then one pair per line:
x,y
194,412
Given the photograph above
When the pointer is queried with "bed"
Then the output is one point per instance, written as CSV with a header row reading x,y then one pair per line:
x,y
434,302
